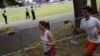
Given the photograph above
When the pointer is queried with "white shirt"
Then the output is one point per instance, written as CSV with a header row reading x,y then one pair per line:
x,y
45,41
90,26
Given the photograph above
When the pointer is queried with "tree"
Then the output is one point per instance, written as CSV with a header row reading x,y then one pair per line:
x,y
94,6
1,4
13,2
85,2
78,6
4,3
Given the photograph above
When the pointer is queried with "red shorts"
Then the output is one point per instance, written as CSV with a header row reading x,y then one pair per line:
x,y
51,52
90,47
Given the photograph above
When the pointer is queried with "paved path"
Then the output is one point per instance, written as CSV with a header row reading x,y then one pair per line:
x,y
34,23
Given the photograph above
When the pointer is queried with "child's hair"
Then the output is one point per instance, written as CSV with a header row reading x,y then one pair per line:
x,y
45,24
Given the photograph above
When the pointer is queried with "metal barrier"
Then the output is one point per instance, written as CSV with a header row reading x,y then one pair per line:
x,y
24,42
9,43
18,40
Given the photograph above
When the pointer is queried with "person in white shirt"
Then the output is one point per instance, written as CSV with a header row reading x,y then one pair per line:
x,y
91,26
47,39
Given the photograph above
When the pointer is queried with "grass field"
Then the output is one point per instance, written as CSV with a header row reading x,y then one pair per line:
x,y
46,10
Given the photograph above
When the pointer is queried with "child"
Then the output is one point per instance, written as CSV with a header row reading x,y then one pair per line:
x,y
47,39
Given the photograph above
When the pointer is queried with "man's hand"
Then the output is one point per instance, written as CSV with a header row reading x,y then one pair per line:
x,y
96,33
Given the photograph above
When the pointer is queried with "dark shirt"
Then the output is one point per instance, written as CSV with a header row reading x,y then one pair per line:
x,y
4,15
27,13
32,11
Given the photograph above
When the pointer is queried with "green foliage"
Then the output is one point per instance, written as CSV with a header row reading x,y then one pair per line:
x,y
11,2
4,3
1,4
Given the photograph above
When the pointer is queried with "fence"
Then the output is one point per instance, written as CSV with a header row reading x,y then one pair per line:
x,y
24,42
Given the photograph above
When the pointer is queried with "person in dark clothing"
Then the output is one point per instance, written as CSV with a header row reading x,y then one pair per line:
x,y
33,13
27,14
5,16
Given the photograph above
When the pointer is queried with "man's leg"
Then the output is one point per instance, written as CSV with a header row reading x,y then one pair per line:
x,y
6,21
26,17
34,17
90,49
87,44
29,16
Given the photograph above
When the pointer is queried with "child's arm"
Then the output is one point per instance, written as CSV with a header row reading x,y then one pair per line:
x,y
50,37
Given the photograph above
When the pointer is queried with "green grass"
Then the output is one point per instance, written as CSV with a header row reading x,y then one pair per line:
x,y
98,2
47,10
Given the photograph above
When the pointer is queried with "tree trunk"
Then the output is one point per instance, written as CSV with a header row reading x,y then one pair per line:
x,y
78,6
85,2
1,4
94,7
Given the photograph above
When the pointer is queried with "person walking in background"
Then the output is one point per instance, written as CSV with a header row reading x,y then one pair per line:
x,y
33,13
47,39
5,16
27,14
91,26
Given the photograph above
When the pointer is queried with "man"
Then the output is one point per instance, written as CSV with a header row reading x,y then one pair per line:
x,y
27,14
5,16
91,26
33,13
